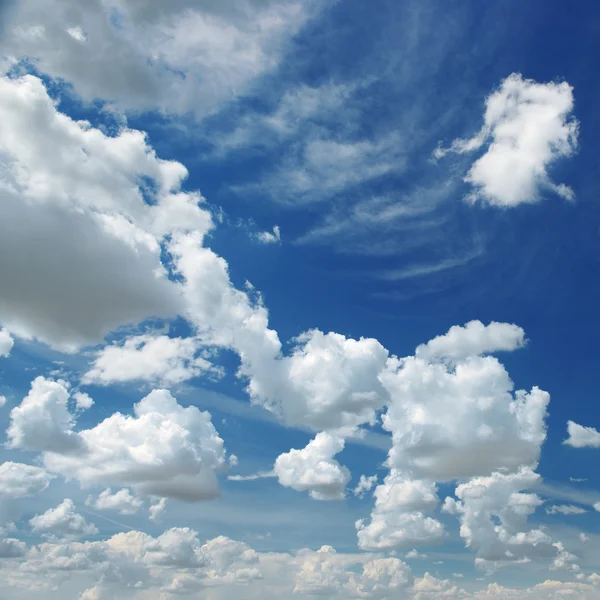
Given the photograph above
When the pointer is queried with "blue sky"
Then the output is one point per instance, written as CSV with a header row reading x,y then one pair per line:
x,y
256,250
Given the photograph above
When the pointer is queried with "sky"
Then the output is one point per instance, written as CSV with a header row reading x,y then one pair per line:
x,y
299,299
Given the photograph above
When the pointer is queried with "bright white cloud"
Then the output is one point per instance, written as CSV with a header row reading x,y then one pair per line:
x,y
161,358
493,516
62,523
472,339
43,422
527,127
328,382
313,469
582,437
164,449
121,501
397,518
452,422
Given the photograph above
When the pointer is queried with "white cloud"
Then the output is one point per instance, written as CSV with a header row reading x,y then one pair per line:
x,y
527,127
73,208
414,554
565,509
472,339
459,421
582,437
564,560
596,506
156,510
122,501
313,469
270,237
160,358
397,518
493,516
328,382
365,484
42,422
176,58
163,450
62,523
6,342
83,401
18,480
2,401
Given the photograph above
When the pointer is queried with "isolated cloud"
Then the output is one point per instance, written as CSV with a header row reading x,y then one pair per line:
x,y
527,127
582,437
121,501
159,358
565,509
270,237
313,469
365,484
62,523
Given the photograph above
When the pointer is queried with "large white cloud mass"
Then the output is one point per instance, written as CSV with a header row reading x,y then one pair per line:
x,y
75,204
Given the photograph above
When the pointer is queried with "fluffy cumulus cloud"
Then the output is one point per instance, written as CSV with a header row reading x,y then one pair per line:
x,y
398,518
163,449
159,358
62,523
313,469
582,437
179,57
121,501
18,480
472,339
527,126
458,420
327,382
43,421
493,514
365,484
327,573
453,415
